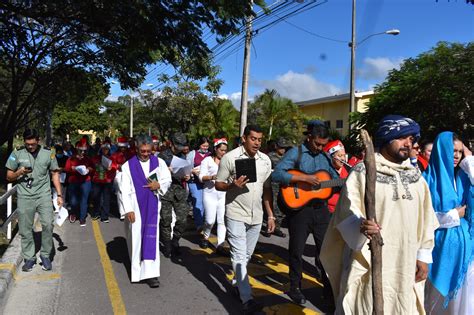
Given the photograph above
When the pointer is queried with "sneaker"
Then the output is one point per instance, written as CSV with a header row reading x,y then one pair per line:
x,y
296,296
72,218
46,263
82,222
104,220
95,217
250,307
204,243
28,266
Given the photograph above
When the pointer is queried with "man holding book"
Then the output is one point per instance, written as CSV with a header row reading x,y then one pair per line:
x,y
244,174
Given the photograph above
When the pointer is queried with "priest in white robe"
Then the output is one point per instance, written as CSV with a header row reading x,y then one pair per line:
x,y
144,179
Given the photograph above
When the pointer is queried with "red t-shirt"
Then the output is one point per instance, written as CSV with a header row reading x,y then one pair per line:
x,y
332,202
119,158
101,175
74,176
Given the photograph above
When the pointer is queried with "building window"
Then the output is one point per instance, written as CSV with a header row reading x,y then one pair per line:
x,y
328,123
339,124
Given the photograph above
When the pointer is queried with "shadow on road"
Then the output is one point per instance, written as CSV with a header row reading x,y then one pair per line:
x,y
118,251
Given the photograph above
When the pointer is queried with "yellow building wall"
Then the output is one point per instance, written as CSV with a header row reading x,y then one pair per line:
x,y
336,110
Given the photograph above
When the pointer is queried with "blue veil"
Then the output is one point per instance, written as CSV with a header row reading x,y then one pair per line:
x,y
453,246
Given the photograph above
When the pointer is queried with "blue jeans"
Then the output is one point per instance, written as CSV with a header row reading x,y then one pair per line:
x,y
101,193
242,239
79,194
196,190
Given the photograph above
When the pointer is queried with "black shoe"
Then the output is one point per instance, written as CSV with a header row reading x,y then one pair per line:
x,y
153,282
29,264
220,250
95,217
166,250
250,307
279,233
266,234
296,295
175,249
204,243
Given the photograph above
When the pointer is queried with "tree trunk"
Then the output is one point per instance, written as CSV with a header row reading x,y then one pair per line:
x,y
376,243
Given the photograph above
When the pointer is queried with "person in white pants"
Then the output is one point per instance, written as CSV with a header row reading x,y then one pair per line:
x,y
213,200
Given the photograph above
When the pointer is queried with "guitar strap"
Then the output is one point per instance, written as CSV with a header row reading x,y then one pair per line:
x,y
298,159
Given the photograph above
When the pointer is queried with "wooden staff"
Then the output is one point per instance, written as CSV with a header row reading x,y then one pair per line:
x,y
375,245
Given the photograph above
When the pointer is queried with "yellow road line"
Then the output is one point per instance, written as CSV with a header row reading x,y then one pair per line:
x,y
288,309
41,277
277,264
116,300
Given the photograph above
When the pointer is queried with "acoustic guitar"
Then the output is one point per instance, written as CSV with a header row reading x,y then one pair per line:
x,y
296,195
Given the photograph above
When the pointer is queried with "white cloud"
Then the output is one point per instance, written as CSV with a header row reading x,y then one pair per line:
x,y
111,98
378,68
298,86
234,98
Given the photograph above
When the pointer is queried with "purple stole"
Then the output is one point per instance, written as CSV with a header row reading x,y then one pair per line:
x,y
148,204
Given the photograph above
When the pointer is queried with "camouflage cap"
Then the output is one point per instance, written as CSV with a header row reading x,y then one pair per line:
x,y
179,139
283,143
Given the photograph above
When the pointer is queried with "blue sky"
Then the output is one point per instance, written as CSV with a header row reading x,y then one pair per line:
x,y
302,66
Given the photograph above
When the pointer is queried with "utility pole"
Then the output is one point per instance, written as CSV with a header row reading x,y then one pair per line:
x,y
131,114
245,74
353,48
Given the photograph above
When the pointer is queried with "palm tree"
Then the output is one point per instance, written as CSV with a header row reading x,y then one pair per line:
x,y
274,107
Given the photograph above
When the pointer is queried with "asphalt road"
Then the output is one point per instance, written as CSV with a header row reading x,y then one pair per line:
x,y
91,276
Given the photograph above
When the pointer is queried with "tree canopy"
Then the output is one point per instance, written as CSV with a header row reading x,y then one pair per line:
x,y
435,89
40,40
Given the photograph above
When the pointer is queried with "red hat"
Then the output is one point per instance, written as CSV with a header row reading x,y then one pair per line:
x,y
122,142
154,139
333,146
219,141
81,144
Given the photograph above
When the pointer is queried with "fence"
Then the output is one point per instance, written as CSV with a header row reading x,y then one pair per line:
x,y
7,197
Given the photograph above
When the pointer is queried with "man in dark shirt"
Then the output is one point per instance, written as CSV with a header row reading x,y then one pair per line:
x,y
314,216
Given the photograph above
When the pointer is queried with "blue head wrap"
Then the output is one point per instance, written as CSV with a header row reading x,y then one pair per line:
x,y
453,246
392,127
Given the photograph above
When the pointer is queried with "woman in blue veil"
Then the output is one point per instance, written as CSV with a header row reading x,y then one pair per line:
x,y
450,287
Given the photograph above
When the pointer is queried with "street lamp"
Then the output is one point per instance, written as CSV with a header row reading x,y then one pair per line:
x,y
353,45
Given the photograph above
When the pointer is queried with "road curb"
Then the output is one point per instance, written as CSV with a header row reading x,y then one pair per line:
x,y
9,263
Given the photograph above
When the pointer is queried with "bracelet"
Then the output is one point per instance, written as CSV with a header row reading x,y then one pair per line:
x,y
271,218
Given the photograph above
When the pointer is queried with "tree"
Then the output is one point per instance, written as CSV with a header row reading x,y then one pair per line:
x,y
435,89
118,38
219,119
277,115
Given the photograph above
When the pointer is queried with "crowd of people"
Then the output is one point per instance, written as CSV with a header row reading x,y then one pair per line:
x,y
423,198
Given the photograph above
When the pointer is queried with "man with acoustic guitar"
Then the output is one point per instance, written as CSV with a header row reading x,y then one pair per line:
x,y
298,174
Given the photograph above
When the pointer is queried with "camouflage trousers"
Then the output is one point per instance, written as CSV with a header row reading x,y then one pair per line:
x,y
277,213
174,199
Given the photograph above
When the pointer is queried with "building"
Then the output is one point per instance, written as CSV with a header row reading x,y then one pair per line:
x,y
335,109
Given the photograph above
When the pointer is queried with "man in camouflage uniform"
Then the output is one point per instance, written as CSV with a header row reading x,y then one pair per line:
x,y
174,199
30,167
281,146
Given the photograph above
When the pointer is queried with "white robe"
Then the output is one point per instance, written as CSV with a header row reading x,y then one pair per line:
x,y
404,211
141,269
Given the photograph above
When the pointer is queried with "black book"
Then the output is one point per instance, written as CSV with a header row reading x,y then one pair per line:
x,y
246,167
